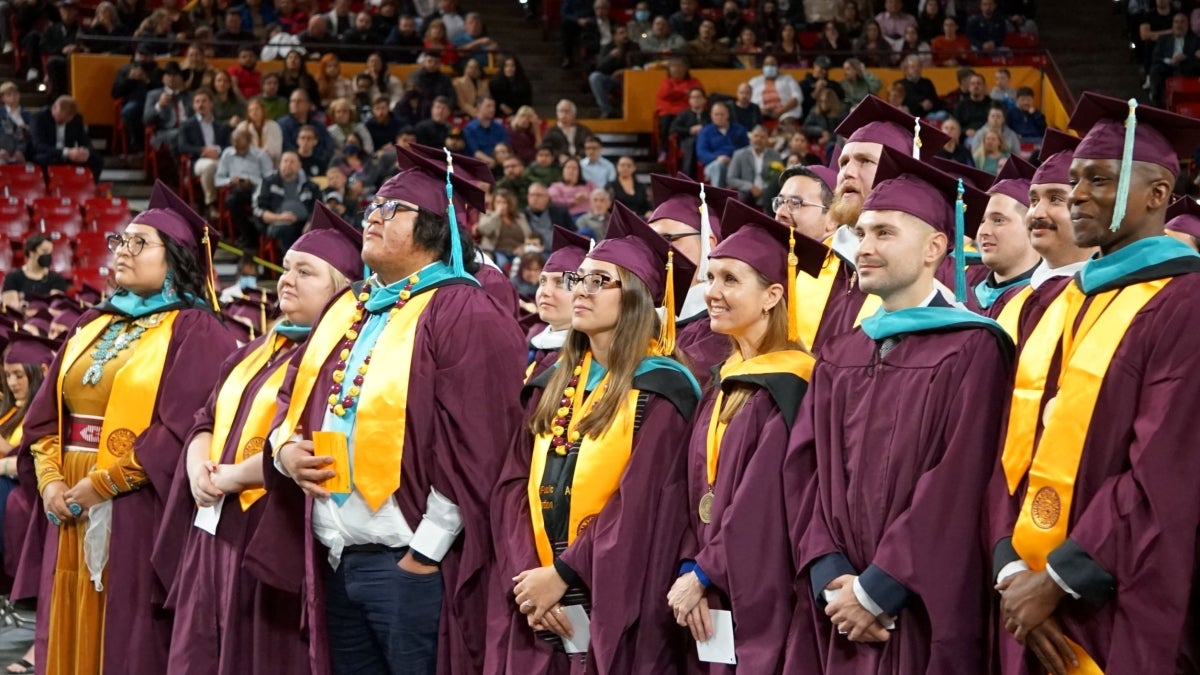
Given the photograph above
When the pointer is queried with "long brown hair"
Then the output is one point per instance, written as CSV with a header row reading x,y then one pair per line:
x,y
34,376
774,340
637,325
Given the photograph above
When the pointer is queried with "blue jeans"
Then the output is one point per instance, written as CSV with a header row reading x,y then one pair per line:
x,y
131,113
602,87
382,619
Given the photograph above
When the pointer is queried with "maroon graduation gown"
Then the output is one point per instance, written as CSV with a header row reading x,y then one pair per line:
x,y
626,559
1131,550
749,515
701,347
501,288
977,274
139,628
465,381
226,621
842,306
904,447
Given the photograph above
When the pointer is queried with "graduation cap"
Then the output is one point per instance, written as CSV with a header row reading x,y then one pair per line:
x,y
976,178
68,316
678,198
945,203
37,303
474,169
1183,216
825,174
434,186
631,243
40,322
60,303
89,295
172,216
11,318
1116,129
24,348
256,294
569,251
528,321
250,314
876,121
1013,180
333,240
771,248
1058,149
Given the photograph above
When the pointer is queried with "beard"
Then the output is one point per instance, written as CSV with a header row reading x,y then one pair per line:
x,y
845,210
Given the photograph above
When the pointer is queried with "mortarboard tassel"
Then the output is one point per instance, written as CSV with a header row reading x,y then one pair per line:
x,y
208,278
960,255
1124,177
666,334
705,234
916,138
456,258
262,313
792,309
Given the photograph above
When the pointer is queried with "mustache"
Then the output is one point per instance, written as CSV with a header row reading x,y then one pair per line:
x,y
1042,224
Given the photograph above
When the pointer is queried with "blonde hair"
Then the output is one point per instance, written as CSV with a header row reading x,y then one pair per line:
x,y
343,104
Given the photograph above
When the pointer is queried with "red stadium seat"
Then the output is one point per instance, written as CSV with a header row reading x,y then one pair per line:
x,y
91,250
58,215
23,180
106,214
74,182
808,38
14,218
1180,89
96,277
62,259
1189,109
1015,40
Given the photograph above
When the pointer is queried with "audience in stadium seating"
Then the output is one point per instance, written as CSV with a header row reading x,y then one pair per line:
x,y
14,125
284,202
1024,118
951,47
567,136
871,47
776,93
544,169
344,121
204,137
686,22
572,190
510,87
484,132
972,109
706,51
265,133
955,149
58,135
470,87
686,126
717,142
228,104
613,59
750,167
987,29
543,214
594,223
404,42
168,106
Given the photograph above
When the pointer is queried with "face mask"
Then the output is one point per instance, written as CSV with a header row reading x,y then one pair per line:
x,y
44,260
247,281
533,248
732,16
642,15
770,72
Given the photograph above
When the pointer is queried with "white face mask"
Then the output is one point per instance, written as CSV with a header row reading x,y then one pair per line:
x,y
770,72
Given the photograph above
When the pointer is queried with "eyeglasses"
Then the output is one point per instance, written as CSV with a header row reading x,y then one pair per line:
x,y
672,238
793,203
593,283
133,244
388,209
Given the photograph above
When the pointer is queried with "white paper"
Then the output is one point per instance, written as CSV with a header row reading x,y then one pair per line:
x,y
581,629
719,648
208,517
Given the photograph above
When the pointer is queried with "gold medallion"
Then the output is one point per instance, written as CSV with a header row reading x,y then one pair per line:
x,y
1046,508
1047,411
706,504
120,442
254,446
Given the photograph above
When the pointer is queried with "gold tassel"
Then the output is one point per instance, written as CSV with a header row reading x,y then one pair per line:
x,y
262,314
666,334
208,278
792,309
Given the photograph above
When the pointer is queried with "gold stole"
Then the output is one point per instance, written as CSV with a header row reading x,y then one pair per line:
x,y
1010,317
380,410
790,361
1045,513
134,393
813,294
598,468
262,409
15,438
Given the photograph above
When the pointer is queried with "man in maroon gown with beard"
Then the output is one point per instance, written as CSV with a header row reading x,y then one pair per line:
x,y
1099,565
897,415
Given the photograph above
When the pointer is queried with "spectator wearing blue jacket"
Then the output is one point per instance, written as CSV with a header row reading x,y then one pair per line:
x,y
717,142
1027,121
484,132
987,29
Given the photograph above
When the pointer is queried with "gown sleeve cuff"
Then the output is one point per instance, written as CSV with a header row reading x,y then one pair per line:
x,y
568,575
439,527
826,569
1014,567
890,595
1003,555
1079,575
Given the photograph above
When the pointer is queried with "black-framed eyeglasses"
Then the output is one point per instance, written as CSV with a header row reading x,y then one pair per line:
x,y
793,203
593,282
672,238
134,244
388,209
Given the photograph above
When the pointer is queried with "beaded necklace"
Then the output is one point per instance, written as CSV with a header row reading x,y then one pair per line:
x,y
574,398
339,405
112,343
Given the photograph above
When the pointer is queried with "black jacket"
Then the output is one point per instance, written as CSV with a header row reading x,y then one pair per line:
x,y
191,137
42,138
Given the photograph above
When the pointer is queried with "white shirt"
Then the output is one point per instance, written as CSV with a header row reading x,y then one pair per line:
x,y
1042,273
694,302
759,156
549,339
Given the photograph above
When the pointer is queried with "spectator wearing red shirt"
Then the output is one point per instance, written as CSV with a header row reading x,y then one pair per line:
x,y
292,19
249,80
672,96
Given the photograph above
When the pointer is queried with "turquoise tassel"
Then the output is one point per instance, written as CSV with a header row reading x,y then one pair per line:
x,y
1126,168
456,257
960,256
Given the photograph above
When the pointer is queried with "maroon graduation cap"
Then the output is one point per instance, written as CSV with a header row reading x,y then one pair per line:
x,y
174,217
333,240
763,243
1058,149
40,322
876,121
825,174
569,249
678,198
89,295
253,315
1160,137
24,348
1183,215
474,169
1013,180
976,178
68,316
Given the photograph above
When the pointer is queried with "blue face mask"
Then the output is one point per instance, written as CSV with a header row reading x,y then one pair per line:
x,y
642,15
770,72
247,281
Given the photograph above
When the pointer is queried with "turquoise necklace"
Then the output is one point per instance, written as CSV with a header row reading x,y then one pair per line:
x,y
112,343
